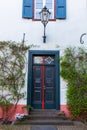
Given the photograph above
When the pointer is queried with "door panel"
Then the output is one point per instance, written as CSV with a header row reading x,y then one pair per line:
x,y
49,87
37,87
44,87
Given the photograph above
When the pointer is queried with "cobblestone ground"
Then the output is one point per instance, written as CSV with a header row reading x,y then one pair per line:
x,y
76,126
71,128
59,128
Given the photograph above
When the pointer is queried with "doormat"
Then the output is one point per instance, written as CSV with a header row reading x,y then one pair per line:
x,y
42,127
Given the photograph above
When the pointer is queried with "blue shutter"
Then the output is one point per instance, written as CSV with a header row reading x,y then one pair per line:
x,y
61,9
27,9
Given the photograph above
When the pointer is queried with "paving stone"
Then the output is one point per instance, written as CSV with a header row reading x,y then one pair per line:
x,y
41,127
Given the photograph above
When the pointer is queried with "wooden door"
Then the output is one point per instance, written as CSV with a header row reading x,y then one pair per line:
x,y
44,86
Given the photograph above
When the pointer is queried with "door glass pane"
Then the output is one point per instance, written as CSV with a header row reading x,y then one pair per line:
x,y
38,59
43,59
49,59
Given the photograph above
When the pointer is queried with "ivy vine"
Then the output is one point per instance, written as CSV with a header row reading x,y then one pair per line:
x,y
12,76
74,72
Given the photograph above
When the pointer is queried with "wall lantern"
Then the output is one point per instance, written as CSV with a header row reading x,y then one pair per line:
x,y
44,15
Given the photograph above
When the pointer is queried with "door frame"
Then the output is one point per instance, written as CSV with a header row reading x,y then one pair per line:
x,y
31,53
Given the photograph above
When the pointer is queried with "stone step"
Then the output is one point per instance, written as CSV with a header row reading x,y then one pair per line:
x,y
47,117
45,122
47,112
44,110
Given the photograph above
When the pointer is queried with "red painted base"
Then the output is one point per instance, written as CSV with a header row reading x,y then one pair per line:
x,y
12,113
65,109
21,110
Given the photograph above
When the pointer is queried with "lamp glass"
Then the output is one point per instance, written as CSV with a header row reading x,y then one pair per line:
x,y
44,14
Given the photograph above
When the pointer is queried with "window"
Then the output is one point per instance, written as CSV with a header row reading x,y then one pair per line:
x,y
44,59
39,4
31,8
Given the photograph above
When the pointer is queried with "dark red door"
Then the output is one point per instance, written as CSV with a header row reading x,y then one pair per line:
x,y
44,87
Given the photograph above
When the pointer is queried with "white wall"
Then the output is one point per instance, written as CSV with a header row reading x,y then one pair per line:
x,y
60,33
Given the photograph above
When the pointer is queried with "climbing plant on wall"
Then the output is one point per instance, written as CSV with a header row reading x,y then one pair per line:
x,y
74,72
12,76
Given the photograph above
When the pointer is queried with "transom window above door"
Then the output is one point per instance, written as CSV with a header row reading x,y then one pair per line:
x,y
31,8
39,4
43,59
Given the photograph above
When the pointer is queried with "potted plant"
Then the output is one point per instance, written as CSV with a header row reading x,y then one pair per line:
x,y
28,108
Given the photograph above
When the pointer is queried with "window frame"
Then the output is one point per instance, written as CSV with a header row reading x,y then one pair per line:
x,y
54,9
